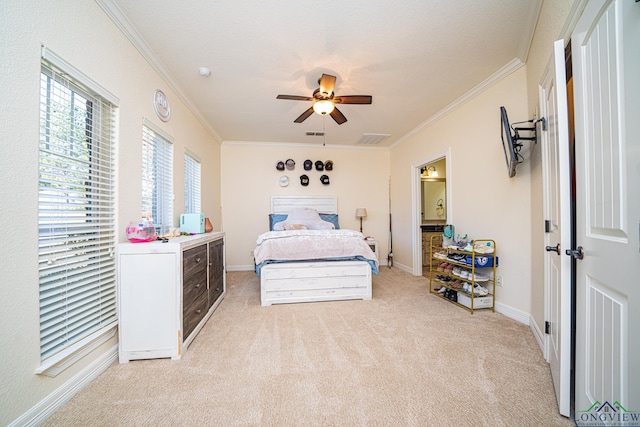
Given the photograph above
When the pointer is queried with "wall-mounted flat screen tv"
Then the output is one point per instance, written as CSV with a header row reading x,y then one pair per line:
x,y
509,144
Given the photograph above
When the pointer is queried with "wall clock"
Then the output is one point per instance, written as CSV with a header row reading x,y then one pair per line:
x,y
161,105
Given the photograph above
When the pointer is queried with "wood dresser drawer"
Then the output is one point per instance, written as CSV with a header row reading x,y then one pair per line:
x,y
194,273
215,292
216,270
194,313
194,261
193,287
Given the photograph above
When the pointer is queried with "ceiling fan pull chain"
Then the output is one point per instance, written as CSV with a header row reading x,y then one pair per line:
x,y
324,134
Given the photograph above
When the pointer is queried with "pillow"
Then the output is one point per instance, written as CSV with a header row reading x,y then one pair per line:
x,y
276,218
288,226
307,217
332,218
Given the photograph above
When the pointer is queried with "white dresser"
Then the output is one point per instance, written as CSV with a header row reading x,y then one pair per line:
x,y
167,292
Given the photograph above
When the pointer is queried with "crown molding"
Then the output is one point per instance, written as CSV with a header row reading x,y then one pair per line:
x,y
114,12
512,66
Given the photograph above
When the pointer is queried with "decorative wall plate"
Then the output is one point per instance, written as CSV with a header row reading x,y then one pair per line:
x,y
284,181
161,105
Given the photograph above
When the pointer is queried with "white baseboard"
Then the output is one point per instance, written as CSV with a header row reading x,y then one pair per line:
x,y
540,337
526,319
512,313
47,406
403,267
241,268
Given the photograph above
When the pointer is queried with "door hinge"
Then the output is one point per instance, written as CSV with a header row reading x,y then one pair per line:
x,y
547,327
547,226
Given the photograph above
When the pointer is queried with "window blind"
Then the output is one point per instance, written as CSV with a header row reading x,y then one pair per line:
x,y
76,220
157,179
192,176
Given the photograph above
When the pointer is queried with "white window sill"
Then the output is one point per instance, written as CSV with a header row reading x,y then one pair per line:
x,y
56,364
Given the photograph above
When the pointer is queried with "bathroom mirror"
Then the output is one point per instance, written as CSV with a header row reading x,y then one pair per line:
x,y
434,192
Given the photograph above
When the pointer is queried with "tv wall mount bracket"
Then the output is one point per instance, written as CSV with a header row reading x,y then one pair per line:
x,y
531,131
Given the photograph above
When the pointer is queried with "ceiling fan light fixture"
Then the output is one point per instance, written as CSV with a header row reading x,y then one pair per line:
x,y
324,101
323,107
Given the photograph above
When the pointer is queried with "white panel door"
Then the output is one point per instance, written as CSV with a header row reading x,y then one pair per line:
x,y
606,70
557,207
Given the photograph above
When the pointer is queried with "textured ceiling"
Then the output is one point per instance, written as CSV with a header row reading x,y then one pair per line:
x,y
415,57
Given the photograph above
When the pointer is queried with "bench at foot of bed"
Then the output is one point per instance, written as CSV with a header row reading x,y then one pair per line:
x,y
295,282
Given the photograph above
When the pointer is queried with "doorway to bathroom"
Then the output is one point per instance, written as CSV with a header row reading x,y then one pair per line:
x,y
431,207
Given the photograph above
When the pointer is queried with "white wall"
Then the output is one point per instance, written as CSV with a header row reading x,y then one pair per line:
x,y
84,36
359,179
551,24
485,202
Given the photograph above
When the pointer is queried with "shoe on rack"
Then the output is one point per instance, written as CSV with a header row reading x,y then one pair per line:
x,y
439,255
480,277
459,258
480,290
459,245
483,247
442,290
456,284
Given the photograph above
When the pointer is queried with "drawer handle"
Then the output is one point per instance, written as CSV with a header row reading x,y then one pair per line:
x,y
198,259
217,289
198,311
198,285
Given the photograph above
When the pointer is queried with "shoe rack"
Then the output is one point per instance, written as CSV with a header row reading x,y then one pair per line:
x,y
454,272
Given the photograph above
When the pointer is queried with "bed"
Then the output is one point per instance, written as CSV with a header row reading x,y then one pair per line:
x,y
298,261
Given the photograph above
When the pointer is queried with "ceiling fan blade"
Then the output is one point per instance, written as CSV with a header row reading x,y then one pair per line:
x,y
295,97
338,116
353,99
327,84
304,116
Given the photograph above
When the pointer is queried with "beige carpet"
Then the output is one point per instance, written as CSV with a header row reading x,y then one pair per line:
x,y
406,358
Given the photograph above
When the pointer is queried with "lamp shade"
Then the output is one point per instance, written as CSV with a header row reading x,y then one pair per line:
x,y
361,212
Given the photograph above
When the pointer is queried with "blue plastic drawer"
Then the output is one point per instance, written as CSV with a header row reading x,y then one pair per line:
x,y
482,261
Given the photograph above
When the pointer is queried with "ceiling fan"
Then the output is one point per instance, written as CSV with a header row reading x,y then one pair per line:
x,y
324,100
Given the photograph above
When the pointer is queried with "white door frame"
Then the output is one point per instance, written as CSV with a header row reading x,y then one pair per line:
x,y
557,207
416,198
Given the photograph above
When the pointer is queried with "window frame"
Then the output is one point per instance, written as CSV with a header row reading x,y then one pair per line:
x,y
76,209
192,183
157,177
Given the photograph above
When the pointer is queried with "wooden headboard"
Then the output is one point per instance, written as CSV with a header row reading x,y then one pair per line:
x,y
323,204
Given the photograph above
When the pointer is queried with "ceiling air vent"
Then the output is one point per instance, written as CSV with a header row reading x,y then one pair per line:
x,y
372,138
312,133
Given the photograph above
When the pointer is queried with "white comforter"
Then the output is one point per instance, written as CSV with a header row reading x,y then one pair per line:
x,y
297,245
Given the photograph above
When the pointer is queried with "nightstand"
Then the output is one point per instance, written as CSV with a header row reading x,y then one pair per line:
x,y
373,244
